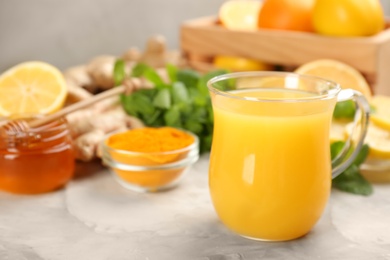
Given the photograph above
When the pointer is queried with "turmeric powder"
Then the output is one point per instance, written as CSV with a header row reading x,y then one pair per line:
x,y
151,140
149,148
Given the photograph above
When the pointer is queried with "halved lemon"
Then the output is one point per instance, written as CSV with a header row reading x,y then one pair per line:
x,y
32,88
377,138
342,73
381,113
240,14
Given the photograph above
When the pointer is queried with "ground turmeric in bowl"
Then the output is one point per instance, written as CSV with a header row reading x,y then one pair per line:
x,y
150,158
157,145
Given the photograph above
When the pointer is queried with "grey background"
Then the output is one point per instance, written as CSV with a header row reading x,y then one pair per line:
x,y
68,33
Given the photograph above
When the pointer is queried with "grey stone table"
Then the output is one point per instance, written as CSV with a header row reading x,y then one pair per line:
x,y
95,218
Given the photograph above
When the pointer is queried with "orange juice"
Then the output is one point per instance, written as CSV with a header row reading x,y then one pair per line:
x,y
270,170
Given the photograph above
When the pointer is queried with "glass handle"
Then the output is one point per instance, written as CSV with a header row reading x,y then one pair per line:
x,y
345,158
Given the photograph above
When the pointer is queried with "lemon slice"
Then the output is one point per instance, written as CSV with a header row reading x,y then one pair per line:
x,y
337,130
239,64
32,88
345,75
381,114
240,14
377,138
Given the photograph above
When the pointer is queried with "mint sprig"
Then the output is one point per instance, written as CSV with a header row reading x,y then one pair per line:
x,y
351,179
183,102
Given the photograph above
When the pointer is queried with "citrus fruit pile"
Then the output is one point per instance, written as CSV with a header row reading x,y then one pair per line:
x,y
345,18
31,88
336,18
378,134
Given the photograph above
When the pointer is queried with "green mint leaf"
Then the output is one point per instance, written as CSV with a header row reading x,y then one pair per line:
x,y
137,104
128,105
139,70
194,127
205,143
149,73
119,72
162,99
143,104
198,98
202,84
179,92
188,77
172,117
362,155
335,148
353,182
345,109
152,75
198,114
172,72
210,115
154,119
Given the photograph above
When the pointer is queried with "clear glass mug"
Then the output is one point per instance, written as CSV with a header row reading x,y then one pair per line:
x,y
270,168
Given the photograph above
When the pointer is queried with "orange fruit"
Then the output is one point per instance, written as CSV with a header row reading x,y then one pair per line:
x,y
239,64
240,14
344,74
32,88
295,15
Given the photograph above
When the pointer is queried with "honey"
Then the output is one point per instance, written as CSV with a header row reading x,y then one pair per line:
x,y
37,160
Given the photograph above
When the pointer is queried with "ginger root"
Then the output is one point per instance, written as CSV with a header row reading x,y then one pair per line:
x,y
89,126
86,145
101,71
76,94
79,76
157,55
84,121
79,84
131,55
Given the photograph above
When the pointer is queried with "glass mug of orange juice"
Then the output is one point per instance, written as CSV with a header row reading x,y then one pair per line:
x,y
270,167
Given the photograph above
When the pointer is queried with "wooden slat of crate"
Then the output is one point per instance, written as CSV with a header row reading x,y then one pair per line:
x,y
370,55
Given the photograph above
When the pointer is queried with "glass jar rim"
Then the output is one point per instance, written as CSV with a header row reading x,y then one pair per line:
x,y
55,125
54,130
333,88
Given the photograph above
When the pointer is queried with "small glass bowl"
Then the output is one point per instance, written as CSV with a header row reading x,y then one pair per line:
x,y
149,172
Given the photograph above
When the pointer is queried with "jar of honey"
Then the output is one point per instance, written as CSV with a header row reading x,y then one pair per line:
x,y
36,160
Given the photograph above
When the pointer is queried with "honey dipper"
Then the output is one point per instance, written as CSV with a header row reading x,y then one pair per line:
x,y
19,126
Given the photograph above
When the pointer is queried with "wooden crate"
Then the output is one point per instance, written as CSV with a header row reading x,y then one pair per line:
x,y
204,37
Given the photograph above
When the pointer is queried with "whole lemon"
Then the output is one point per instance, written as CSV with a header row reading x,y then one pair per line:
x,y
348,18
